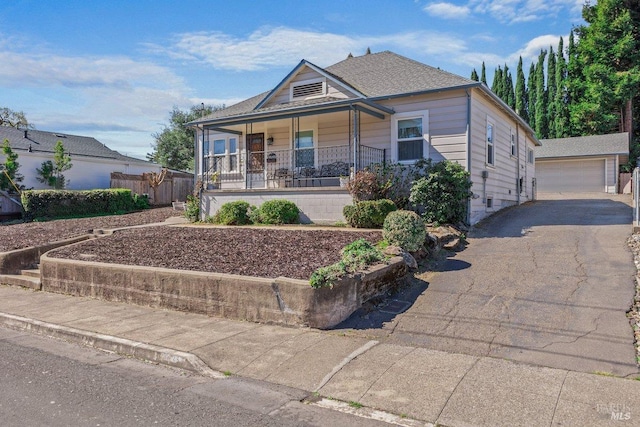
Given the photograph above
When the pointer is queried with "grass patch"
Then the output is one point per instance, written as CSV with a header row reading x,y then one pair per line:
x,y
355,404
604,374
227,373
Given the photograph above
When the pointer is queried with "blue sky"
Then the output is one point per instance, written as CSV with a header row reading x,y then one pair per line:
x,y
114,69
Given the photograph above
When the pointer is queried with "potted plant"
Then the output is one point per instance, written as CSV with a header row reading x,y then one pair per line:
x,y
214,181
344,180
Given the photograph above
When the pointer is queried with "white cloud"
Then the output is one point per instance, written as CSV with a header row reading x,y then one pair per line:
x,y
531,50
447,10
262,49
285,47
518,11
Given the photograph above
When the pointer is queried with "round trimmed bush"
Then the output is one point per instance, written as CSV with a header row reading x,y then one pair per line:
x,y
277,211
368,213
405,229
233,213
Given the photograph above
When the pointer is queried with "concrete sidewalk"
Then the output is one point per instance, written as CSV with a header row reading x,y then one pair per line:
x,y
414,383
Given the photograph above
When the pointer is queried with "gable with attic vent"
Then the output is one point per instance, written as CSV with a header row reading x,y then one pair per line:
x,y
307,89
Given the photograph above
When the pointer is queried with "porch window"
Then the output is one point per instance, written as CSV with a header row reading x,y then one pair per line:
x,y
304,152
233,154
219,154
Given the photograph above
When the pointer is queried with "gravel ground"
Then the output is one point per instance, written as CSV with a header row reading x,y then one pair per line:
x,y
18,236
249,251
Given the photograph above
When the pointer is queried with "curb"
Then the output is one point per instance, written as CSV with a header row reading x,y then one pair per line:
x,y
123,346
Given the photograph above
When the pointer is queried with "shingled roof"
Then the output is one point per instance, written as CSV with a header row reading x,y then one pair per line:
x,y
44,142
596,145
387,74
376,75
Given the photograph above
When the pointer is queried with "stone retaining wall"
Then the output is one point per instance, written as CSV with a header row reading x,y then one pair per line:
x,y
281,300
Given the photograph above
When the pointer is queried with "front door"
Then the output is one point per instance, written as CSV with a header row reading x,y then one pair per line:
x,y
255,146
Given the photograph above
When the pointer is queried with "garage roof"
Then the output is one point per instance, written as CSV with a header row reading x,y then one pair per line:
x,y
596,145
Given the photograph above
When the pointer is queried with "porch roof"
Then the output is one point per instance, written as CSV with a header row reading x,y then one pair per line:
x,y
308,107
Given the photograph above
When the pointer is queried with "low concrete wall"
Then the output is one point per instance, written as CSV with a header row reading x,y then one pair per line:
x,y
281,300
13,261
319,204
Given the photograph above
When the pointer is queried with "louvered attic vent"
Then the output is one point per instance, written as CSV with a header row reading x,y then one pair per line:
x,y
307,90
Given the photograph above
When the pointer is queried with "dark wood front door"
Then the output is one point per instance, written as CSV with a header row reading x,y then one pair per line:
x,y
255,147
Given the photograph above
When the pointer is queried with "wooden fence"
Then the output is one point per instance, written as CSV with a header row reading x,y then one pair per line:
x,y
175,187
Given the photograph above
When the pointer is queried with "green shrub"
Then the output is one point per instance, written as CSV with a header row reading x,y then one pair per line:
x,y
233,213
443,194
277,211
49,204
405,229
355,257
141,201
387,181
368,213
192,208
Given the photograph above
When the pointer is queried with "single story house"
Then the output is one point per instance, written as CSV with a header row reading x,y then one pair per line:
x,y
581,164
92,161
318,126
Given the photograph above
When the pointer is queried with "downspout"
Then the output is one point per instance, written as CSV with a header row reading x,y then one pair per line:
x,y
518,186
469,150
200,166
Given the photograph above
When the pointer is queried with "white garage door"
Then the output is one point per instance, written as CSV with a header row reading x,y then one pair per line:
x,y
571,176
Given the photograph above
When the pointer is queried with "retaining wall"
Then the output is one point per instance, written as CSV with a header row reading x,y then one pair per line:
x,y
13,261
281,300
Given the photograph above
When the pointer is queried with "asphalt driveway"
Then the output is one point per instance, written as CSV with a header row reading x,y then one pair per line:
x,y
546,283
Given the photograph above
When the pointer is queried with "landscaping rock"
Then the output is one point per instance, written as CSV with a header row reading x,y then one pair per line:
x,y
406,256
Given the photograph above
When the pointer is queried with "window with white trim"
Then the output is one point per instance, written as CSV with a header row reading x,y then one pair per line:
x,y
410,135
233,154
223,154
530,156
304,152
513,144
491,153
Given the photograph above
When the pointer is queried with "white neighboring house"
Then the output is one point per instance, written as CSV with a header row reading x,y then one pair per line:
x,y
299,140
92,161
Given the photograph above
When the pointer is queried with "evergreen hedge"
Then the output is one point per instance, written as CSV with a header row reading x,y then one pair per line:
x,y
50,204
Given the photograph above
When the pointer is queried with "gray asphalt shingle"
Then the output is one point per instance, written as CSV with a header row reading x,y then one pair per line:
x,y
616,143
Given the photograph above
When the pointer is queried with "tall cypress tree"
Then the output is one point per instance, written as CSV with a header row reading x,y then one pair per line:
x,y
608,52
531,84
541,128
474,75
521,93
561,107
551,94
483,74
507,88
497,85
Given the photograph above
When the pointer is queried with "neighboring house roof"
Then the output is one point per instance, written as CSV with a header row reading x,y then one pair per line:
x,y
596,145
370,78
44,142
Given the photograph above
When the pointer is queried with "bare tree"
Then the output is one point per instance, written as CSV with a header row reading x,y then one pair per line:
x,y
155,179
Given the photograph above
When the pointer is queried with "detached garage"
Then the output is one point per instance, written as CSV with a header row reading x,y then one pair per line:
x,y
581,164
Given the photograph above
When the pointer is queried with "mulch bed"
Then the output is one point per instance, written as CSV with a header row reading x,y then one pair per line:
x,y
247,251
18,236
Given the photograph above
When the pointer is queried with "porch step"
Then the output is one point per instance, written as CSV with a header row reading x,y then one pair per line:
x,y
21,280
31,273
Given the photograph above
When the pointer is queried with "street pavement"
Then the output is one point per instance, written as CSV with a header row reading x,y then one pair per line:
x,y
524,327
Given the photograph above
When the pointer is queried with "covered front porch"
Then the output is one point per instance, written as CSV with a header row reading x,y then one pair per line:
x,y
316,148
